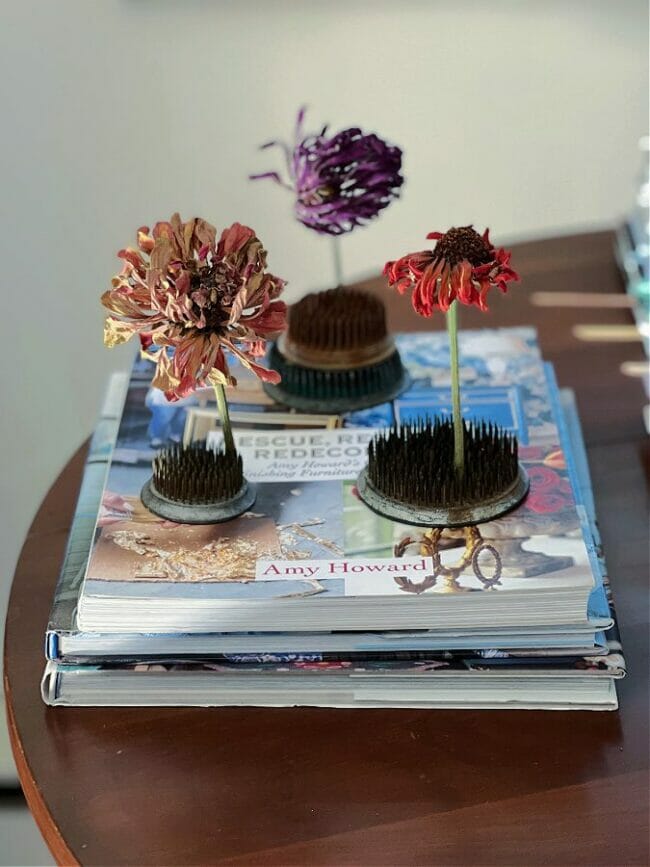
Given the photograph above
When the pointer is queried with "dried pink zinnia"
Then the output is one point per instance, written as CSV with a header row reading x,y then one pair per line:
x,y
191,300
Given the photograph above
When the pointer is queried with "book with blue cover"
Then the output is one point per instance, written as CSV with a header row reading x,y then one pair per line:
x,y
65,642
310,556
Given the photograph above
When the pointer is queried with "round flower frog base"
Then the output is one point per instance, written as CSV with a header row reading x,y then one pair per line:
x,y
198,513
332,391
337,355
195,484
461,515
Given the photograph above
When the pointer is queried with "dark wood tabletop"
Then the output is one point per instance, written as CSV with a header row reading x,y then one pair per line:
x,y
396,787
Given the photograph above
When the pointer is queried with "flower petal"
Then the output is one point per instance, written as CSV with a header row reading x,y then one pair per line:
x,y
116,332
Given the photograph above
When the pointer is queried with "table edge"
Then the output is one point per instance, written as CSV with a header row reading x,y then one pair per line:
x,y
33,795
35,801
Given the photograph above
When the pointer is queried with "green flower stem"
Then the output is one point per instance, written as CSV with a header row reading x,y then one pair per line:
x,y
337,260
224,415
452,331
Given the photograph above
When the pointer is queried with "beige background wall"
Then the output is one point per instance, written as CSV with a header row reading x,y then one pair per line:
x,y
522,115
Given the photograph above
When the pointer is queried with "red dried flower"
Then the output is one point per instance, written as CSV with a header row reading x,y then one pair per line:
x,y
191,299
463,266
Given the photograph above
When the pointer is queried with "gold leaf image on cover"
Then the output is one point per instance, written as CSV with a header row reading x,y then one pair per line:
x,y
134,551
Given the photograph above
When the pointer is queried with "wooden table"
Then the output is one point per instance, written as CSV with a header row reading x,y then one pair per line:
x,y
287,786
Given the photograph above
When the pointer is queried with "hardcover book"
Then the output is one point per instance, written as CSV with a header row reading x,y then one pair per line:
x,y
310,555
66,643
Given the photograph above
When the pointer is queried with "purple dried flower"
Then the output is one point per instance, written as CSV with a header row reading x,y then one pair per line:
x,y
340,181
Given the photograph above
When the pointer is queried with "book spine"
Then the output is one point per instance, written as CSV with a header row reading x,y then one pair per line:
x,y
62,614
49,683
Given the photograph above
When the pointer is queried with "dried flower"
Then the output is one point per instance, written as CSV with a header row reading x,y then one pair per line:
x,y
190,299
340,181
463,266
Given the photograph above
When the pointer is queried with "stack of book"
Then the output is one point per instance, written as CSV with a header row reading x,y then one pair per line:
x,y
311,598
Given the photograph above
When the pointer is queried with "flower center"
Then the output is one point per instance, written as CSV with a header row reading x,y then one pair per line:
x,y
313,197
212,292
463,243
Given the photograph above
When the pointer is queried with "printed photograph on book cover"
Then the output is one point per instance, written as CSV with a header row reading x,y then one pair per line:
x,y
307,511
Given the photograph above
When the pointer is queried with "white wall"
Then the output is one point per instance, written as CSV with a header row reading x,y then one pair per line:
x,y
520,115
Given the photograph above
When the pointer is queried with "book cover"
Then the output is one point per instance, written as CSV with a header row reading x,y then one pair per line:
x,y
66,643
308,535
